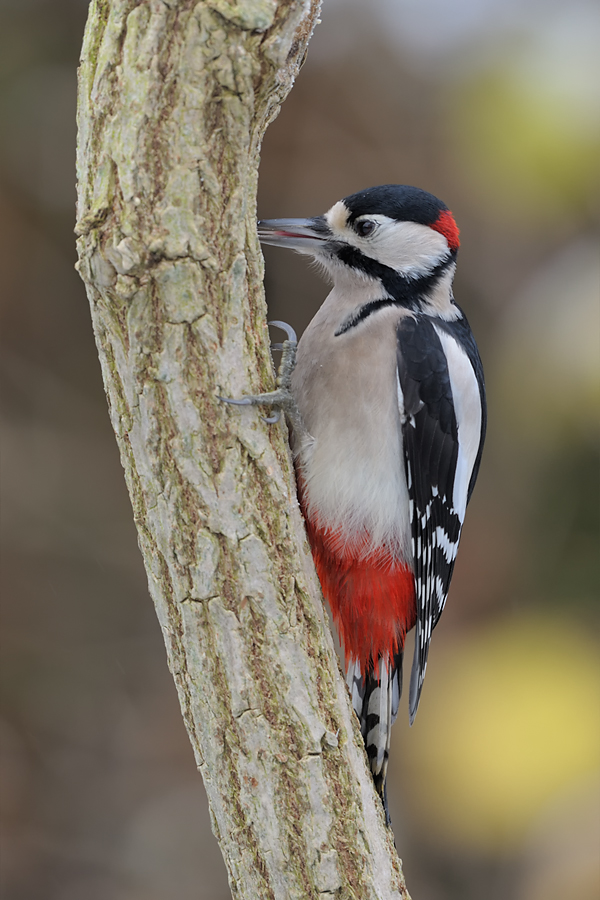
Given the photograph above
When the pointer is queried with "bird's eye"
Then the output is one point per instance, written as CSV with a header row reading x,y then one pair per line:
x,y
366,227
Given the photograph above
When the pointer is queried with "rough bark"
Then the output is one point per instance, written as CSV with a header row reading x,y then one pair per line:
x,y
174,98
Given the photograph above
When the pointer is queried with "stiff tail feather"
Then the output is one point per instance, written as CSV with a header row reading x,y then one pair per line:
x,y
375,699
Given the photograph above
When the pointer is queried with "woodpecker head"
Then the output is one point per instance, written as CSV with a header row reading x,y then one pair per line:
x,y
392,233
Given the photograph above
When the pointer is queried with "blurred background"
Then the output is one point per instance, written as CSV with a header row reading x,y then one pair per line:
x,y
495,791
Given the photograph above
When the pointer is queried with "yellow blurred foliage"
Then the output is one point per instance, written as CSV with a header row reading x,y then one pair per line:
x,y
510,718
523,147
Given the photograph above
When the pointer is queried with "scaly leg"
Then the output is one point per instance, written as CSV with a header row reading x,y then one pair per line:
x,y
281,398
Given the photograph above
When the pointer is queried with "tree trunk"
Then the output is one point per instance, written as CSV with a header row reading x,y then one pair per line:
x,y
174,98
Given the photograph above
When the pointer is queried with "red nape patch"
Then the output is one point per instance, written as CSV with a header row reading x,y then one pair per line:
x,y
372,598
446,225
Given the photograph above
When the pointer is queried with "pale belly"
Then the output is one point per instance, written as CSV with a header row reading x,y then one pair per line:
x,y
353,468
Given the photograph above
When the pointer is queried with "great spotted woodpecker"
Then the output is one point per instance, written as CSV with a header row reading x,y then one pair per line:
x,y
389,415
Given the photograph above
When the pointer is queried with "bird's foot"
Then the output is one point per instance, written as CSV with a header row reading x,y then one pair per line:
x,y
281,398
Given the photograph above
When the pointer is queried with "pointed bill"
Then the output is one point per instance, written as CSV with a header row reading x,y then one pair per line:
x,y
303,235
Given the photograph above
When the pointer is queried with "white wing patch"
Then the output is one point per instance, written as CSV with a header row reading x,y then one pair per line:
x,y
467,408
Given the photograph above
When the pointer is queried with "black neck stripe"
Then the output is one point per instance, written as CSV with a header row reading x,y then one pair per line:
x,y
409,293
363,312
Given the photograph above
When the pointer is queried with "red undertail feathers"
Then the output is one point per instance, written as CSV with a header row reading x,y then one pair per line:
x,y
371,596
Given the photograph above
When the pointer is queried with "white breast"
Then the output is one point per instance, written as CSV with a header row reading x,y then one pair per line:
x,y
346,389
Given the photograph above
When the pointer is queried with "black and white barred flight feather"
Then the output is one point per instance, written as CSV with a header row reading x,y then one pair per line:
x,y
375,700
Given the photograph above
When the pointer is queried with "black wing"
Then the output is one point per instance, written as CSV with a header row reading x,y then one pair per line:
x,y
431,452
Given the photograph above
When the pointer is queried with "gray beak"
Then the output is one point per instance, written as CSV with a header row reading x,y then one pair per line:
x,y
303,235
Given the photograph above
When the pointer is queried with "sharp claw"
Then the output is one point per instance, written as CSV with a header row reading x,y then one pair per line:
x,y
291,334
281,396
243,402
270,420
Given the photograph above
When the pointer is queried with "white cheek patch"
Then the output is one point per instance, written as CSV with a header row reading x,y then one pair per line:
x,y
405,246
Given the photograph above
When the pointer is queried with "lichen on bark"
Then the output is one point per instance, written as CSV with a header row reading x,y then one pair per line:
x,y
174,98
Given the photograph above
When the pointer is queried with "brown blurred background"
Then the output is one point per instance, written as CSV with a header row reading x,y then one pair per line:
x,y
492,105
